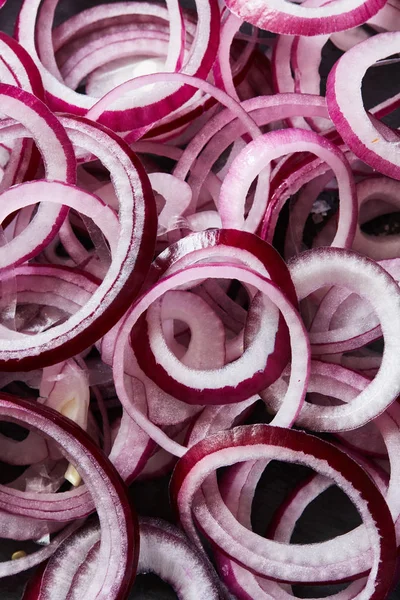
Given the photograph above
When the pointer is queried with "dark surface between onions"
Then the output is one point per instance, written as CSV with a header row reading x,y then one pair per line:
x,y
151,498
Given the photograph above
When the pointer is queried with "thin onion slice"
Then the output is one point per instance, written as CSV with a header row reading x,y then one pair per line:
x,y
119,545
288,563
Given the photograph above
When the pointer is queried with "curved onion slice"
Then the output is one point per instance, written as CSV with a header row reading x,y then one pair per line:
x,y
244,477
262,151
241,380
119,542
132,249
268,558
21,68
164,550
59,160
363,135
333,266
161,102
78,557
290,18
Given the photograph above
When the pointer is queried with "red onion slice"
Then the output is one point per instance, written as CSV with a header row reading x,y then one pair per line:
x,y
23,70
23,195
59,159
299,366
363,135
219,383
222,130
262,151
290,18
336,382
241,581
159,102
325,266
131,257
65,388
119,546
59,575
288,563
96,112
165,551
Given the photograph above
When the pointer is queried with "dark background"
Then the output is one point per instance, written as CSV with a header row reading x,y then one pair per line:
x,y
328,516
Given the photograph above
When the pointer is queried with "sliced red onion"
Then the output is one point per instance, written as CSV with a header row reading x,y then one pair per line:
x,y
21,528
101,106
268,558
262,151
79,29
336,382
119,547
59,575
238,488
238,497
214,380
195,337
131,255
227,245
23,195
65,388
299,374
150,108
329,266
362,134
58,157
21,67
290,18
264,110
165,551
20,196
220,245
97,61
50,285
